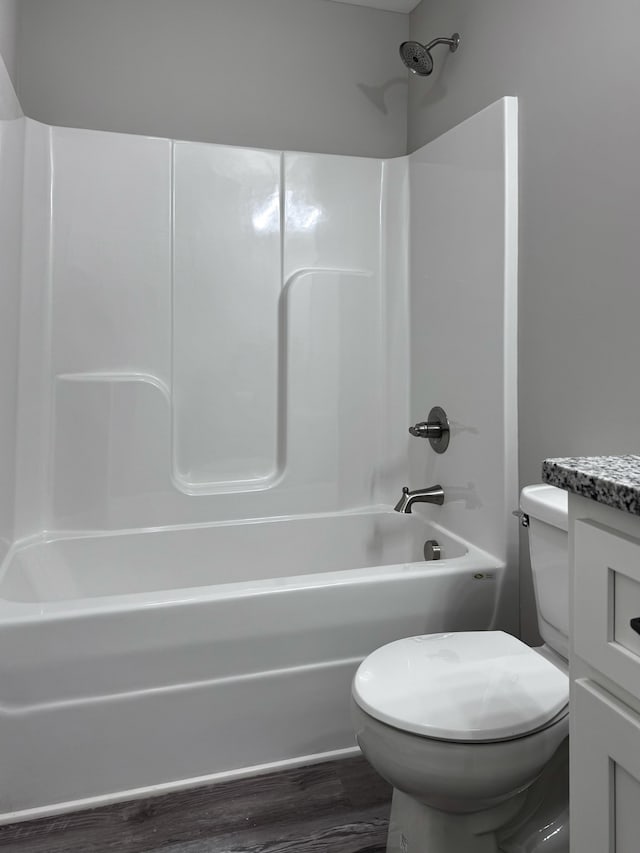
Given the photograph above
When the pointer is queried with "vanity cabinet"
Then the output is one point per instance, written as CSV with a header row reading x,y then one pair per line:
x,y
605,772
605,678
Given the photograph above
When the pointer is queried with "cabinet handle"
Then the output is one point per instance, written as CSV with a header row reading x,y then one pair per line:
x,y
635,624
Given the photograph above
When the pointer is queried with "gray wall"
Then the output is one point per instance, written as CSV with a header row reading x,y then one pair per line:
x,y
576,71
8,34
295,74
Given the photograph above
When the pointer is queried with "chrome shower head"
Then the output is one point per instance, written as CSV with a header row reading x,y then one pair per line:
x,y
417,57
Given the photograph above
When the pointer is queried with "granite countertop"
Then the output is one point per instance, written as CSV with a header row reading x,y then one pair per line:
x,y
610,480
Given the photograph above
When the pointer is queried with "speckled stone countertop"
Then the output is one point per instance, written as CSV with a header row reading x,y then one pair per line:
x,y
610,480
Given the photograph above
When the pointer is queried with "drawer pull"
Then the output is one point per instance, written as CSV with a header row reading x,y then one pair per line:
x,y
635,624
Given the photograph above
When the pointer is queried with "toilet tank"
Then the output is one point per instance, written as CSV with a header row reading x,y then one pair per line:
x,y
548,515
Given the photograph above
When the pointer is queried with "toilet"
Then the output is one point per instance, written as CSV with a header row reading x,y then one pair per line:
x,y
471,728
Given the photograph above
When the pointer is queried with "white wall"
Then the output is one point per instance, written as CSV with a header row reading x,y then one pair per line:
x,y
9,34
11,177
306,75
463,310
267,305
242,309
11,163
575,70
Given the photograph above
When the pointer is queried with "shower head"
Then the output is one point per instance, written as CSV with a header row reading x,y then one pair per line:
x,y
417,57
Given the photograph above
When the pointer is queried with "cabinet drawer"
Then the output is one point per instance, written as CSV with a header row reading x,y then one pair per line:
x,y
606,596
605,773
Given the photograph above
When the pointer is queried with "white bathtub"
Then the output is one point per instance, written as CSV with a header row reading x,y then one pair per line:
x,y
137,662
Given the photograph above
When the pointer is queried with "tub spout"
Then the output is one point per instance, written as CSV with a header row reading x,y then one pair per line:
x,y
432,495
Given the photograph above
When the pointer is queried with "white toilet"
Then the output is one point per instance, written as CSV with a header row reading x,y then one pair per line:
x,y
471,728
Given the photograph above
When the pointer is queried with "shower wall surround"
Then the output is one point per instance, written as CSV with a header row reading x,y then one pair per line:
x,y
208,331
463,321
11,170
212,333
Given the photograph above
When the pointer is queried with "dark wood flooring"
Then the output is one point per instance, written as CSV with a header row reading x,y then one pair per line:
x,y
337,807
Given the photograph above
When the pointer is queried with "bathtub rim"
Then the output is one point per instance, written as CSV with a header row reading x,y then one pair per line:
x,y
14,611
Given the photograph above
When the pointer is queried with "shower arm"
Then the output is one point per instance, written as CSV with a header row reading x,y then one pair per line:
x,y
453,43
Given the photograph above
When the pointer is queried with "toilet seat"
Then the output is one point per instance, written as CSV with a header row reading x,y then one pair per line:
x,y
474,686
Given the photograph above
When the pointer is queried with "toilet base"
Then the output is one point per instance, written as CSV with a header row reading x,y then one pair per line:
x,y
417,828
534,821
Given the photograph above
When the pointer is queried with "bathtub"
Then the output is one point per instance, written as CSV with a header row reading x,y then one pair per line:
x,y
138,662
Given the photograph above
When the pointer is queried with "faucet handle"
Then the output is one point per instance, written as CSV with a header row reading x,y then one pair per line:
x,y
435,428
425,429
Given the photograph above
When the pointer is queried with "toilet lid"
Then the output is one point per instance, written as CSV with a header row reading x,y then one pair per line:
x,y
467,686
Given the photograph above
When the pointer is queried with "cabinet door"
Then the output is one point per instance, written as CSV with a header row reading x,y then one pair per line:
x,y
605,773
606,599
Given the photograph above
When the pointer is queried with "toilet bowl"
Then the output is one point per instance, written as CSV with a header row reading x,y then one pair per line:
x,y
463,725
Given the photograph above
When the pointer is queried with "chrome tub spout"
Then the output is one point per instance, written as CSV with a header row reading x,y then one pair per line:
x,y
432,495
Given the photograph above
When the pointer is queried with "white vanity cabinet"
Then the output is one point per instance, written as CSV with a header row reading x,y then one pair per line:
x,y
605,678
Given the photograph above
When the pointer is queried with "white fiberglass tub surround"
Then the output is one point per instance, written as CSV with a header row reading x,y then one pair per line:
x,y
220,352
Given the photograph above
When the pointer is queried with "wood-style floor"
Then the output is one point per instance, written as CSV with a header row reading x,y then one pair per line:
x,y
337,807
